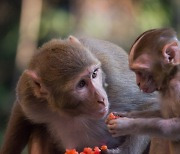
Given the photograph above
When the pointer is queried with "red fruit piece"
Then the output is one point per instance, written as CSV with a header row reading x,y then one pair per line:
x,y
88,150
104,147
97,150
111,116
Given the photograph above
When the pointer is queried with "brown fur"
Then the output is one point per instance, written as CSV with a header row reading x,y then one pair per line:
x,y
155,59
47,113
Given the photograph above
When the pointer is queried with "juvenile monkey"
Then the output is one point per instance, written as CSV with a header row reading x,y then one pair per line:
x,y
63,99
155,59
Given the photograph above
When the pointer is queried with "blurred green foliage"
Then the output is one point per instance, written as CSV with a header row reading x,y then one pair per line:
x,y
55,23
154,14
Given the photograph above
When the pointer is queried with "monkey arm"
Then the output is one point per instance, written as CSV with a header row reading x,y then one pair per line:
x,y
139,114
17,133
167,128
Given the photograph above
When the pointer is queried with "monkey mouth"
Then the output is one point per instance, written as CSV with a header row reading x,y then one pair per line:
x,y
148,90
158,88
99,114
103,111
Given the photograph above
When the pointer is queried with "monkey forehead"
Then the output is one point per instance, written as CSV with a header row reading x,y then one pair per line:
x,y
89,70
86,73
63,54
137,42
59,61
154,38
142,62
132,51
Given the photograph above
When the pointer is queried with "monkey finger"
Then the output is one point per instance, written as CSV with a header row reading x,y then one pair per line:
x,y
111,122
106,121
120,114
117,135
112,131
110,127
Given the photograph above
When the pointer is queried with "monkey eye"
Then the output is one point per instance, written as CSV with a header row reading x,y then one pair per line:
x,y
138,73
94,74
81,84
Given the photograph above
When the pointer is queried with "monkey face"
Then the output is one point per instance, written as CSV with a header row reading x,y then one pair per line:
x,y
70,79
153,56
145,81
144,75
87,95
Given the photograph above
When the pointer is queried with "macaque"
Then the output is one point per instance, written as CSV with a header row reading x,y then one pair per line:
x,y
65,94
155,59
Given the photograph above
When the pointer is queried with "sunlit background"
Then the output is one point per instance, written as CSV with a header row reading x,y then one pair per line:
x,y
26,24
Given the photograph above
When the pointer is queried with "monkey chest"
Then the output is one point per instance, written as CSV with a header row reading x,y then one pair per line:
x,y
170,106
78,135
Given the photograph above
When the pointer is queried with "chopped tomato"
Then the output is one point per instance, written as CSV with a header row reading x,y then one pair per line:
x,y
103,147
111,116
97,150
88,150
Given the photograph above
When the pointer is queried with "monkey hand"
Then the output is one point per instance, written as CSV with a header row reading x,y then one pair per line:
x,y
115,115
121,126
122,114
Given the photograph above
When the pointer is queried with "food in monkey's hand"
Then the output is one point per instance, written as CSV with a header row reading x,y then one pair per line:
x,y
111,116
87,150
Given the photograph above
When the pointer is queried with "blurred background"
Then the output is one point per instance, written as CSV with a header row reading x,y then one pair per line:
x,y
27,24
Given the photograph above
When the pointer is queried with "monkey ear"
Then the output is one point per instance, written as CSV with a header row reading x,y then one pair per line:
x,y
73,39
170,53
39,89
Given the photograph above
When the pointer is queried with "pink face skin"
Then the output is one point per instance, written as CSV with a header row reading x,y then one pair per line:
x,y
145,82
89,89
144,79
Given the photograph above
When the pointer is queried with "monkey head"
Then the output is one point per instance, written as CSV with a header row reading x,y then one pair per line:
x,y
153,57
66,76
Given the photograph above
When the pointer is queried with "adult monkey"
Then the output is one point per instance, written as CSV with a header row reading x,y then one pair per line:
x,y
62,99
155,59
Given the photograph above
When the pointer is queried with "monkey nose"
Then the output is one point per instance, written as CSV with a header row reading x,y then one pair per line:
x,y
101,101
138,84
